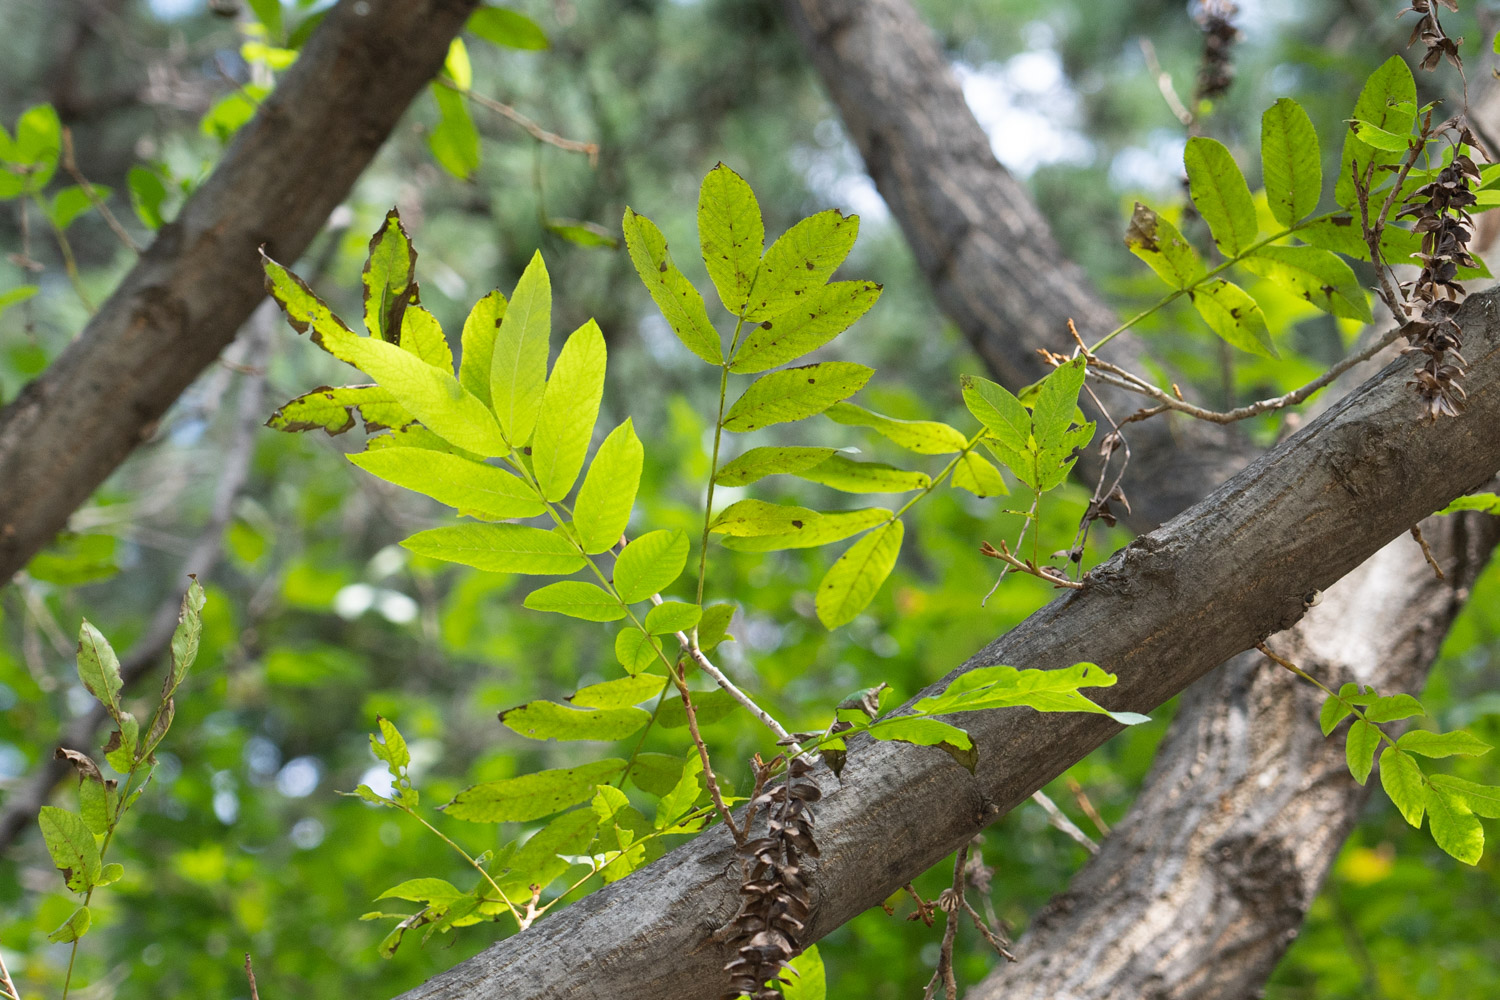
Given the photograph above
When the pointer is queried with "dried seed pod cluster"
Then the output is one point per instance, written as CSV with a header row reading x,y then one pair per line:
x,y
767,932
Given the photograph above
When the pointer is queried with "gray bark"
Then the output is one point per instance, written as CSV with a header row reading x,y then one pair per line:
x,y
198,282
1186,850
1212,582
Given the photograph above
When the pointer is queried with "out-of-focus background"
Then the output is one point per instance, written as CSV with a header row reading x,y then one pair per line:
x,y
317,621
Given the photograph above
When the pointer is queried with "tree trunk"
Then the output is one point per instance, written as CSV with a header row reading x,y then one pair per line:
x,y
198,282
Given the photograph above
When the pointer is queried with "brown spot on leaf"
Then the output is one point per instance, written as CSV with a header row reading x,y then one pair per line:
x,y
795,524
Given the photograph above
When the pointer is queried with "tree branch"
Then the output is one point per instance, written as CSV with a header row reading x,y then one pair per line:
x,y
1163,611
193,287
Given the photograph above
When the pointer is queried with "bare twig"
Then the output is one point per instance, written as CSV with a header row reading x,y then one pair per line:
x,y
70,164
709,780
1416,533
1047,573
949,902
250,974
1060,821
8,989
1164,84
591,149
1084,803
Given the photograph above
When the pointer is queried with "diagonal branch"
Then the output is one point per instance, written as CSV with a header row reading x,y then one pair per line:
x,y
1161,613
182,302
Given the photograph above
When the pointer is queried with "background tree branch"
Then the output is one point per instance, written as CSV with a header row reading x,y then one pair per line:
x,y
198,282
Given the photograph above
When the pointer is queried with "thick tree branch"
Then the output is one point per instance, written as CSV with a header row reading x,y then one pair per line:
x,y
192,288
907,115
1230,571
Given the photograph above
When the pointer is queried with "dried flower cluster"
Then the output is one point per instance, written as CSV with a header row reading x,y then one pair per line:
x,y
767,931
1216,71
1440,210
1431,33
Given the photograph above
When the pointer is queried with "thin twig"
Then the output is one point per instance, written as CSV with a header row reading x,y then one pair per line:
x,y
1113,375
591,149
950,907
71,166
709,781
250,974
1416,533
1084,803
1060,820
1032,569
9,988
1164,84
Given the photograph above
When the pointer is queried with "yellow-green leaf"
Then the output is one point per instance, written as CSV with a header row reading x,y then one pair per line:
x,y
674,295
649,564
1291,168
1157,242
840,473
547,720
732,235
570,406
817,317
478,343
830,526
748,518
925,437
804,258
1220,193
852,582
1316,275
757,463
470,487
1236,317
795,393
576,599
499,548
388,278
518,367
531,796
602,510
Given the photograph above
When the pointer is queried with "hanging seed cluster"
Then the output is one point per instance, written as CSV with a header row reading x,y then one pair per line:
x,y
1216,70
1440,213
767,932
1430,32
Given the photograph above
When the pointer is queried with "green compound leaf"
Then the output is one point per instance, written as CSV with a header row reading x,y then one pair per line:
x,y
673,616
757,463
1291,166
454,141
795,393
507,28
1454,826
1483,800
1056,404
187,633
1393,707
1402,780
1455,744
750,518
1387,101
1004,416
924,732
925,437
1316,275
499,548
853,580
1236,317
621,693
820,315
72,846
388,278
423,336
1334,711
518,367
1359,749
547,720
99,667
570,407
1220,193
732,235
471,488
804,258
714,626
649,564
1488,503
674,295
840,473
391,747
602,511
975,474
635,650
830,526
709,706
1041,690
478,344
432,395
1157,242
332,410
75,927
531,796
576,599
424,890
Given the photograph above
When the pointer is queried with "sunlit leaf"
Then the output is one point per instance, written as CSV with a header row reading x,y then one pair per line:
x,y
674,295
570,407
732,236
499,548
602,510
1220,194
853,580
531,796
576,599
795,393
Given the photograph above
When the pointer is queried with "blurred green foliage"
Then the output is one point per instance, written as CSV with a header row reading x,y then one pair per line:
x,y
316,621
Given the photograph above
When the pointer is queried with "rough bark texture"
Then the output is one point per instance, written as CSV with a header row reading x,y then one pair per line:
x,y
1200,890
1227,573
190,291
1244,738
